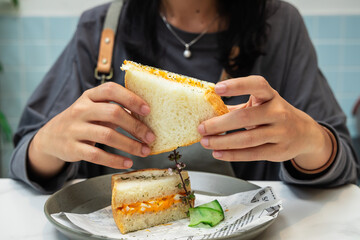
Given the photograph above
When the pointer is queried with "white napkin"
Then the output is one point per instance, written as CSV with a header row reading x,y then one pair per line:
x,y
243,211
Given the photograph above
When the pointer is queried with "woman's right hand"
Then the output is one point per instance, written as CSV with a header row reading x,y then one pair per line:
x,y
93,118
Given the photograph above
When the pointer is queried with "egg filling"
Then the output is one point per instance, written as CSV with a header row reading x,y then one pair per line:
x,y
153,205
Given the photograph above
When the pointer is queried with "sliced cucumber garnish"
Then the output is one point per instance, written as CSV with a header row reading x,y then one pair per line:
x,y
210,214
213,205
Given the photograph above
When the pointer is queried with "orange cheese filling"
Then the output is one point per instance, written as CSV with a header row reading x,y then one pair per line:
x,y
153,205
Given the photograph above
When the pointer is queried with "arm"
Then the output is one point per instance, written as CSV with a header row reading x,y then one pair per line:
x,y
308,91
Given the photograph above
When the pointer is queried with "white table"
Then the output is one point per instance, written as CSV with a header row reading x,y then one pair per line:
x,y
307,214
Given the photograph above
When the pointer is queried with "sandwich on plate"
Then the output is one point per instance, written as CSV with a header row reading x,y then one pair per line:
x,y
146,198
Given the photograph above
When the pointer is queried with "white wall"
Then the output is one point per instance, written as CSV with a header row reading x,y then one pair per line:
x,y
75,7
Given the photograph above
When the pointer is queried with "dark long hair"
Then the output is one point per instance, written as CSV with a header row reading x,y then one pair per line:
x,y
246,29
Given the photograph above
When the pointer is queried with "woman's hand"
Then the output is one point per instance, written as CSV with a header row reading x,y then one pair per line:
x,y
275,130
93,118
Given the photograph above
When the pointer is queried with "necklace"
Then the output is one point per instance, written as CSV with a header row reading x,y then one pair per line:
x,y
187,52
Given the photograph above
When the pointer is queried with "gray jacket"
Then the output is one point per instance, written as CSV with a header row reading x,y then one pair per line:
x,y
290,66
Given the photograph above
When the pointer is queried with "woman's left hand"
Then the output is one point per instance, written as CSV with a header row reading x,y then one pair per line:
x,y
275,130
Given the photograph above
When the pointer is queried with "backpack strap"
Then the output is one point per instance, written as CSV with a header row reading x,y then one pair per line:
x,y
104,70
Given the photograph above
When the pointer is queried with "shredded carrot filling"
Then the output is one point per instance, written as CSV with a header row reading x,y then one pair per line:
x,y
153,205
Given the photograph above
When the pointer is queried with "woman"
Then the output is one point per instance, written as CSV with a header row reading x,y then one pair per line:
x,y
274,91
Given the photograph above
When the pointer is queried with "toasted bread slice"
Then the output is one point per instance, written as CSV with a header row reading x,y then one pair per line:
x,y
178,104
146,198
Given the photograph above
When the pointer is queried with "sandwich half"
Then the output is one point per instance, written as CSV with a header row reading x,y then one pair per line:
x,y
178,104
146,198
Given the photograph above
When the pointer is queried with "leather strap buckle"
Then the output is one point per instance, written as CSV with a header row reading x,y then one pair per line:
x,y
102,76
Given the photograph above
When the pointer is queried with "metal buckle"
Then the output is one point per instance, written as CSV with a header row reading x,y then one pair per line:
x,y
103,77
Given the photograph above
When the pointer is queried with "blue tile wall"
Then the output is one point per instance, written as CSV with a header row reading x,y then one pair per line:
x,y
28,48
10,54
34,29
329,55
61,28
9,28
329,27
30,45
351,27
352,55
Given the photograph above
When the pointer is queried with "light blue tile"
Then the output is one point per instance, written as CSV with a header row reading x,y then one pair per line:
x,y
347,104
33,28
352,55
32,80
352,27
351,84
14,122
329,27
332,78
9,28
333,84
311,25
55,52
351,124
10,54
5,156
61,28
328,55
10,83
12,106
35,55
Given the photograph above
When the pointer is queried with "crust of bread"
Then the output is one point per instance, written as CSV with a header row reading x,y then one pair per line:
x,y
167,75
216,102
117,177
142,178
173,148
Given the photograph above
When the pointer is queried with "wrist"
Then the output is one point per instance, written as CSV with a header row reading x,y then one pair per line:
x,y
39,162
322,156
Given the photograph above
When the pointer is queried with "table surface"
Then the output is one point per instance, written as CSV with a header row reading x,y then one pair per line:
x,y
308,213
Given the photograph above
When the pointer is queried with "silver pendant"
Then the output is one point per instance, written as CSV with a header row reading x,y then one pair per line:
x,y
187,52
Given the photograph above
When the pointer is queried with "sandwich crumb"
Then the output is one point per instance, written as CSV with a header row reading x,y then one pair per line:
x,y
166,224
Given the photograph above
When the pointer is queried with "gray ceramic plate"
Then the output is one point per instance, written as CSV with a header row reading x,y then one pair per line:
x,y
95,193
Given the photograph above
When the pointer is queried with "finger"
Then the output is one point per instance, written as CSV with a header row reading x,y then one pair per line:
x,y
115,114
234,107
253,85
237,119
263,152
114,92
98,156
112,138
240,139
107,124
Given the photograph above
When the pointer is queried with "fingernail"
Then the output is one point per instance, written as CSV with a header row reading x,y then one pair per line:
x,y
150,137
145,150
220,88
205,141
217,154
128,163
201,129
145,109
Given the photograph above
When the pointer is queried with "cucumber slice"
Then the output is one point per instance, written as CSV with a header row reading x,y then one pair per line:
x,y
213,205
205,215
